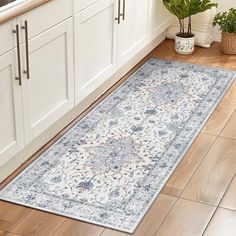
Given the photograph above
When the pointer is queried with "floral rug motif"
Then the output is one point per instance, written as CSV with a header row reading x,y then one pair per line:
x,y
110,167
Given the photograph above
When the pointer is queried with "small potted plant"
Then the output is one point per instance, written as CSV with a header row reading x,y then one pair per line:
x,y
227,23
182,9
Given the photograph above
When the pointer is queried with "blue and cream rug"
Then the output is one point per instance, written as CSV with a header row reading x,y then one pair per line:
x,y
109,168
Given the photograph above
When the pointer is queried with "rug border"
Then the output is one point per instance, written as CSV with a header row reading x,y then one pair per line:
x,y
149,205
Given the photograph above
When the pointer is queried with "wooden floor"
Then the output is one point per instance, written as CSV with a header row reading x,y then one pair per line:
x,y
199,198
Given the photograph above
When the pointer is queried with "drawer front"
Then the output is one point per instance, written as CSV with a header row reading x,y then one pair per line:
x,y
8,38
80,5
44,17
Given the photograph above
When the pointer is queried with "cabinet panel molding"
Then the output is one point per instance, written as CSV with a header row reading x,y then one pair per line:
x,y
49,93
95,47
11,120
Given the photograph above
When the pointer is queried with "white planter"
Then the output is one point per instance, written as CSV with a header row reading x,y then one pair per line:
x,y
184,45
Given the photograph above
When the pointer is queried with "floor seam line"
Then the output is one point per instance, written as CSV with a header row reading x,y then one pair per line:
x,y
210,148
226,123
166,217
210,220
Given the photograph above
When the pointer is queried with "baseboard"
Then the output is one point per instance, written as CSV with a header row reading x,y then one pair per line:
x,y
8,168
162,27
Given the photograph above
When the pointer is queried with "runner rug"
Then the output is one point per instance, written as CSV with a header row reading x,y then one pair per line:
x,y
110,167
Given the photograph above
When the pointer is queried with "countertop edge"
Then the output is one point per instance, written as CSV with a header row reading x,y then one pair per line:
x,y
20,9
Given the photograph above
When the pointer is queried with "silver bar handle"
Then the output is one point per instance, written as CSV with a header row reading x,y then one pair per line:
x,y
16,31
118,18
123,11
25,27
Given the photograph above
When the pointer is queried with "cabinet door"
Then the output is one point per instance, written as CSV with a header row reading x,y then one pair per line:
x,y
134,30
48,94
95,47
7,38
161,17
11,122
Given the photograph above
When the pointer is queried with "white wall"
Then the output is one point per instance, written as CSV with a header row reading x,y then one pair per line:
x,y
223,5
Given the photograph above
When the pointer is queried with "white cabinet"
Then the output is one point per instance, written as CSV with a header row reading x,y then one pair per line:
x,y
161,17
102,45
29,108
80,5
95,32
11,122
46,16
134,30
7,39
49,92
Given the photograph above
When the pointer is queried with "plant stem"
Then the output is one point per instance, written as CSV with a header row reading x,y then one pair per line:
x,y
181,23
189,25
180,26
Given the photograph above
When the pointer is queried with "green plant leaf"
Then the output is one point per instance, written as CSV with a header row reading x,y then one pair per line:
x,y
226,21
186,8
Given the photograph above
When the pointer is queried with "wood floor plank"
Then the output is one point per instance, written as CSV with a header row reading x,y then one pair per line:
x,y
77,228
38,223
188,165
213,57
5,233
11,215
152,220
230,97
230,62
214,175
229,130
163,50
229,200
186,218
222,224
218,119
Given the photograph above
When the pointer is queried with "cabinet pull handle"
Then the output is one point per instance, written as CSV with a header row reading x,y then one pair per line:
x,y
123,12
118,18
25,27
16,31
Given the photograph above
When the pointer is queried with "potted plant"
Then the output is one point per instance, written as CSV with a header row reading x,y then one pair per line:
x,y
182,9
227,23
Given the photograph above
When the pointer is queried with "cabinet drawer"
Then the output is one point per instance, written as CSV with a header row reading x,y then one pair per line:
x,y
82,4
7,41
44,17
